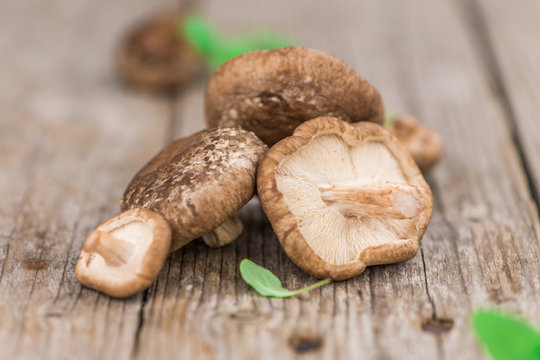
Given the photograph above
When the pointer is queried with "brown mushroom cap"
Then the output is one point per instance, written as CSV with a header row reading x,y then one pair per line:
x,y
423,143
271,92
125,254
155,56
199,182
341,197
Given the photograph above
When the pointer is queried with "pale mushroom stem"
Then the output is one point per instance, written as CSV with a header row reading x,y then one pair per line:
x,y
224,233
390,200
116,252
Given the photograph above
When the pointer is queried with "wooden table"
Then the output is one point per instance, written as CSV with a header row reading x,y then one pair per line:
x,y
72,137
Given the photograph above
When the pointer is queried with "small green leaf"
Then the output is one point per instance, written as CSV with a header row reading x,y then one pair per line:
x,y
217,48
506,336
239,44
267,284
201,34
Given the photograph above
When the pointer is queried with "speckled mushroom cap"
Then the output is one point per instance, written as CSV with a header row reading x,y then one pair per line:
x,y
125,254
153,54
341,197
271,92
198,182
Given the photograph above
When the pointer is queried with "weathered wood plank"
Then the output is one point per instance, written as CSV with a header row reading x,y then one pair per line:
x,y
70,139
484,245
75,139
510,37
481,248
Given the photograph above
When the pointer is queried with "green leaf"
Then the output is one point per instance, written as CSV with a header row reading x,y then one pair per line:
x,y
217,48
506,336
237,45
201,34
267,284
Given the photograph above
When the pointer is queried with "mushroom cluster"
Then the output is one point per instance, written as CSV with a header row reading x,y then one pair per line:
x,y
341,191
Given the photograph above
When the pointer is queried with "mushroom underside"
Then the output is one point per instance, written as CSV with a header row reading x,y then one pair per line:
x,y
124,255
133,234
348,197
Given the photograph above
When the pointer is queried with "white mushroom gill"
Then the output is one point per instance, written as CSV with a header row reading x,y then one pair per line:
x,y
136,232
333,233
136,235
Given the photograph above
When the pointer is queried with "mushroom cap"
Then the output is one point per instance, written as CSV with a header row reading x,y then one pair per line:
x,y
317,236
423,143
148,237
154,55
198,182
271,92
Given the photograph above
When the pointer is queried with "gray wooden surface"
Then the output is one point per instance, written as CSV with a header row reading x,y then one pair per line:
x,y
71,137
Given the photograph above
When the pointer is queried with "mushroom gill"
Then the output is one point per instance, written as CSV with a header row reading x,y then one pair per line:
x,y
316,181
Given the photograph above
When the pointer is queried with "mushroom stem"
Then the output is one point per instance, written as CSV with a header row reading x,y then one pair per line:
x,y
390,200
224,233
116,252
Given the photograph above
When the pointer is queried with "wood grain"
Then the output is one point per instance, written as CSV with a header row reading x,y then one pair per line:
x,y
476,252
509,35
71,137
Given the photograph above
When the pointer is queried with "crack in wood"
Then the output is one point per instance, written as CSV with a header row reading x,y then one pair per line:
x,y
75,228
302,344
430,299
437,326
140,324
430,328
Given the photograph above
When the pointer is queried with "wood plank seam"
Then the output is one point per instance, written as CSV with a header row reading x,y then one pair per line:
x,y
140,323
